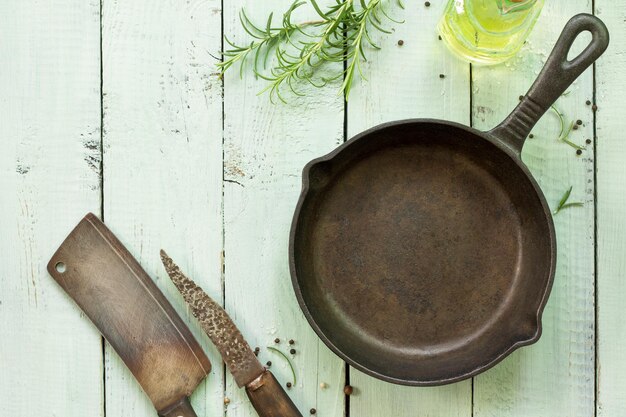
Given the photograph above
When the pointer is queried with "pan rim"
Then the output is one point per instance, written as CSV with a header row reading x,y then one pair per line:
x,y
490,362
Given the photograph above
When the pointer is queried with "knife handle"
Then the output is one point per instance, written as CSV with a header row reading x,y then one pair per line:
x,y
180,409
269,398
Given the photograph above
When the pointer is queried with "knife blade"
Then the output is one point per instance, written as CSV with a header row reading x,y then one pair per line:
x,y
133,315
265,392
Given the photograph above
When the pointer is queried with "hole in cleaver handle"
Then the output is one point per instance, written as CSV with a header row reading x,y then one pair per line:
x,y
132,314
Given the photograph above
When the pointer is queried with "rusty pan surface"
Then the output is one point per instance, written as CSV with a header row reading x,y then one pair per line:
x,y
423,251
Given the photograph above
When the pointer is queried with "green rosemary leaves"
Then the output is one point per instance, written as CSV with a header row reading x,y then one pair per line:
x,y
298,50
563,203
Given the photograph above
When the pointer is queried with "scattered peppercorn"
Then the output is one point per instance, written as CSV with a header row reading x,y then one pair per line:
x,y
348,390
575,127
521,98
292,351
313,411
587,102
288,384
442,76
226,400
579,152
427,4
588,141
269,363
594,107
439,36
291,341
579,122
400,42
277,340
531,136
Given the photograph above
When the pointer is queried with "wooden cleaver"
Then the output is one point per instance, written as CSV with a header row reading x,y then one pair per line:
x,y
108,284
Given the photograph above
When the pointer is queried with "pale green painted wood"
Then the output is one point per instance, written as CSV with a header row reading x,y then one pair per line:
x,y
412,88
554,377
164,191
49,178
163,163
611,215
265,148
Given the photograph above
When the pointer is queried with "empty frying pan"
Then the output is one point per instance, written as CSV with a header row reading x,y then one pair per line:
x,y
423,251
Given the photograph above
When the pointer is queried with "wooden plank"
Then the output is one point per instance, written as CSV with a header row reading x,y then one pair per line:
x,y
163,161
611,215
265,148
404,82
554,377
50,355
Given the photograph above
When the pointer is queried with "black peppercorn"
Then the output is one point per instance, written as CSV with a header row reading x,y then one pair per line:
x,y
313,411
400,42
288,384
292,351
442,76
269,363
579,122
587,102
277,340
427,4
575,127
579,152
594,107
531,136
291,341
588,141
348,390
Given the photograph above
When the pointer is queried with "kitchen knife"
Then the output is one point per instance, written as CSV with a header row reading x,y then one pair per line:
x,y
265,393
110,286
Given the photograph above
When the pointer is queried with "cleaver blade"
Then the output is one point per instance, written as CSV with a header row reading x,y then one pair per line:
x,y
132,314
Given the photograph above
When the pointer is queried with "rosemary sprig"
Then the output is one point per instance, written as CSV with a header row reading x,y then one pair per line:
x,y
293,371
563,204
342,34
561,119
265,40
564,134
312,54
565,138
359,36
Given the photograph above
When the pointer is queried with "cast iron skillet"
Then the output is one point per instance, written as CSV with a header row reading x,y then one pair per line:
x,y
423,251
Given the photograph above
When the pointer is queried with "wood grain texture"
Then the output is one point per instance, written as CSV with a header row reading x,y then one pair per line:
x,y
49,178
611,215
265,148
554,377
162,162
413,88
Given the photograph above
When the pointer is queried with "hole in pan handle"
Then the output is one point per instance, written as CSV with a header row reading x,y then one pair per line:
x,y
556,76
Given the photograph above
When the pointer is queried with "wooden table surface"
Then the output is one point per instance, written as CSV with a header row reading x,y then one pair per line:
x,y
114,107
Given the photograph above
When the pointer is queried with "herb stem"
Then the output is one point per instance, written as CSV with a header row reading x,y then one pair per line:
x,y
563,204
342,35
293,371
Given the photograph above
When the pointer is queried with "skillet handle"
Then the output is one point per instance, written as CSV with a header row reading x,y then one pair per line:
x,y
556,76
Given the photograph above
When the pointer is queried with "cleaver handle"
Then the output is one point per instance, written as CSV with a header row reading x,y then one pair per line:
x,y
269,398
180,409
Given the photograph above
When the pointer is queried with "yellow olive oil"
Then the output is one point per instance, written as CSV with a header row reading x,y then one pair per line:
x,y
488,31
